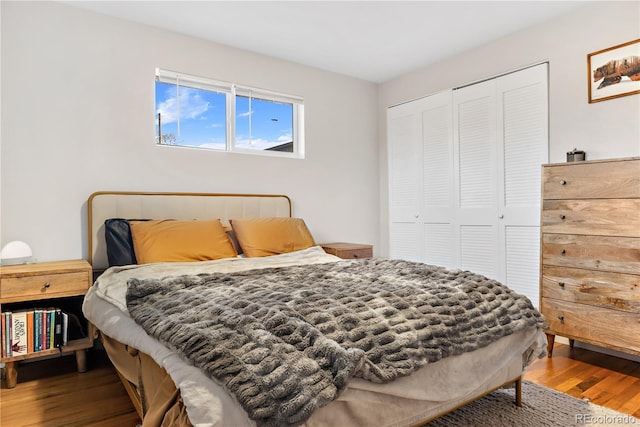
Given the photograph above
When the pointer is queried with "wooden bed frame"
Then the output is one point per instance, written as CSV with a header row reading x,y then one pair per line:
x,y
161,205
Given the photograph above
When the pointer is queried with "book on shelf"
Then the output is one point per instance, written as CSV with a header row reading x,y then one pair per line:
x,y
6,335
47,332
65,328
57,328
32,330
45,329
3,334
37,329
30,336
19,333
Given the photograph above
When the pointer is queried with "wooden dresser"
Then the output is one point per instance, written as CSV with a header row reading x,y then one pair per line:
x,y
590,252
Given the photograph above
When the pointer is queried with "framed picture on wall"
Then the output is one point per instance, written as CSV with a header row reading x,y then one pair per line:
x,y
614,72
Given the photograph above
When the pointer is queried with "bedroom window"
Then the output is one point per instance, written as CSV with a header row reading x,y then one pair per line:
x,y
204,113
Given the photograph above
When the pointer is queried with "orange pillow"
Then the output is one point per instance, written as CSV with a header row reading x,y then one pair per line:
x,y
175,241
271,236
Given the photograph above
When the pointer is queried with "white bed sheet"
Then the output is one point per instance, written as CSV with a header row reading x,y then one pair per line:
x,y
405,401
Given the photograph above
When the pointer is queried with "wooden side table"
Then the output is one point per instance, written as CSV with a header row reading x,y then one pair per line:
x,y
348,250
45,283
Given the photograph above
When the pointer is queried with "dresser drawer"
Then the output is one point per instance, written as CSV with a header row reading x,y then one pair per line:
x,y
595,325
614,217
603,253
44,285
588,180
603,289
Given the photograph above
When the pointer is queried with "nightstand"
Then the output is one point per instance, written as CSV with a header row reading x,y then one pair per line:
x,y
348,250
47,284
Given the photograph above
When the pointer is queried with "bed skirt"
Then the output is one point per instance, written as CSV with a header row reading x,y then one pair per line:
x,y
152,391
158,401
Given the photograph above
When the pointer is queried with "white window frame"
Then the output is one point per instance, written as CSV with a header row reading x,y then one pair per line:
x,y
231,90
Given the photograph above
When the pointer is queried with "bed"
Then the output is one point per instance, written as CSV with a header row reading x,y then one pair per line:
x,y
148,346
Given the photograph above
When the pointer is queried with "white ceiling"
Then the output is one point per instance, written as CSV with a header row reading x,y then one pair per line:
x,y
371,40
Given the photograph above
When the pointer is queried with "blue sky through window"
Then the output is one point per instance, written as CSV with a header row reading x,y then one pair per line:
x,y
271,123
203,118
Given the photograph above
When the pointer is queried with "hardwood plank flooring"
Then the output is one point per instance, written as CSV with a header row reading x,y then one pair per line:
x,y
51,393
605,380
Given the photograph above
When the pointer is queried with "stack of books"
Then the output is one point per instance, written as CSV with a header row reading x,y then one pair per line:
x,y
32,330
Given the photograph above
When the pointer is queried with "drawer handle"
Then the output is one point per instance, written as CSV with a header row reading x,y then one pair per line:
x,y
563,216
46,285
561,284
355,255
563,252
563,182
561,319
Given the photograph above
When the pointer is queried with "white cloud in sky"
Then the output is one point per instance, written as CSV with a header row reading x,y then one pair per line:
x,y
191,106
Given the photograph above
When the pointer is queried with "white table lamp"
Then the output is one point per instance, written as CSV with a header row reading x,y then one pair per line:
x,y
16,252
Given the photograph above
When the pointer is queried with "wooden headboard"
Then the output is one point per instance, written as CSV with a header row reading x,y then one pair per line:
x,y
103,205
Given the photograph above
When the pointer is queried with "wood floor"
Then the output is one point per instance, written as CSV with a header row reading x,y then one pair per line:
x,y
605,380
51,394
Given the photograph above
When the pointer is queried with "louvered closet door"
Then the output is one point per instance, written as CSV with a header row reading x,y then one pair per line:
x,y
421,180
501,141
464,169
476,179
437,178
523,147
405,182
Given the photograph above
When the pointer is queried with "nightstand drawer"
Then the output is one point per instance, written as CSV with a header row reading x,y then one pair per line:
x,y
355,253
44,285
348,250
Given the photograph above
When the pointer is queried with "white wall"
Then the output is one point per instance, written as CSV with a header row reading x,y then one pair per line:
x,y
607,129
77,117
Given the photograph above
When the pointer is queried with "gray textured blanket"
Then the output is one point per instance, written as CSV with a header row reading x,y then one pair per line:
x,y
285,341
